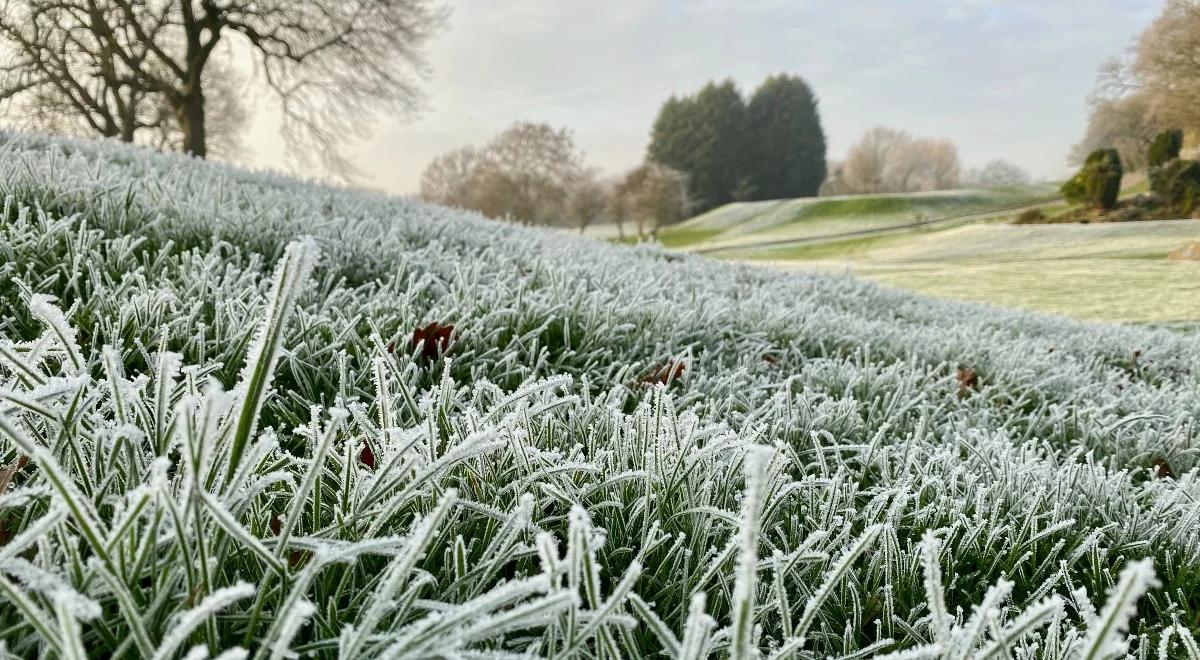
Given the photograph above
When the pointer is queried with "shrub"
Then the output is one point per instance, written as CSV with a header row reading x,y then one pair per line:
x,y
1180,187
1031,217
1098,184
1164,149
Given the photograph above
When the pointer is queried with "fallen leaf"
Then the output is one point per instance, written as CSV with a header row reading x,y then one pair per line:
x,y
366,456
1162,468
967,380
665,374
433,340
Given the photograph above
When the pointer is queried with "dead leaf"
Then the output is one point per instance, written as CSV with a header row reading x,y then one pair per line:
x,y
433,340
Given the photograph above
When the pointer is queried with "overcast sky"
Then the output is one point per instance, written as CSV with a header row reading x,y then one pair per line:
x,y
1001,78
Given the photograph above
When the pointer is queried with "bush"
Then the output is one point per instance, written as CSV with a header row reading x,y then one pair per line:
x,y
1031,217
1098,184
1180,187
1164,149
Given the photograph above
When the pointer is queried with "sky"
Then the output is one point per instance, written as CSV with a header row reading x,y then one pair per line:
x,y
1001,78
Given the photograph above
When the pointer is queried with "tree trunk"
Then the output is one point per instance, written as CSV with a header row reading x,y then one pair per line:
x,y
191,120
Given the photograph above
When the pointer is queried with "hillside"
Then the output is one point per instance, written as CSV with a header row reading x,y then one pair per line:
x,y
243,411
815,219
1107,271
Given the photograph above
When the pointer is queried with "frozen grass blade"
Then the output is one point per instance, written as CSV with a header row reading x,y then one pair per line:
x,y
1106,637
290,277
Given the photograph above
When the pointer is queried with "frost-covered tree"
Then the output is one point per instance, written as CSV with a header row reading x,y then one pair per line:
x,y
886,160
997,173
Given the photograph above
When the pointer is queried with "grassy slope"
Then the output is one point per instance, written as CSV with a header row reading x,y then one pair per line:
x,y
535,494
1112,272
752,222
1107,272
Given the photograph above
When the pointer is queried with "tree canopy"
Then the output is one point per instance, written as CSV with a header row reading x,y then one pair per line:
x,y
731,150
788,158
133,68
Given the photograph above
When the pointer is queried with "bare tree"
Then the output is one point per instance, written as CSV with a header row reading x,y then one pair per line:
x,y
528,173
887,160
120,66
652,195
1125,123
449,179
997,173
587,200
1166,66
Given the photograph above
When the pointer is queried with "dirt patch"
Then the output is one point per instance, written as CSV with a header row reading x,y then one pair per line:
x,y
1189,252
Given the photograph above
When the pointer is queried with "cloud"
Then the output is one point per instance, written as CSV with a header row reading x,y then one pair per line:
x,y
1001,78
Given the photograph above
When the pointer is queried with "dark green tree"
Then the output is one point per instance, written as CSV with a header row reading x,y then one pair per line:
x,y
788,144
1098,184
1163,149
704,136
1180,186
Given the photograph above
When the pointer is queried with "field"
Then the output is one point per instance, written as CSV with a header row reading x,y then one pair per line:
x,y
737,225
1109,272
247,416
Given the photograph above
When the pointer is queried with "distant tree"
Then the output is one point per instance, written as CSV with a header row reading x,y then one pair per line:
x,y
1179,186
123,67
587,201
787,142
887,160
1098,183
1163,149
451,179
651,195
1164,67
528,173
705,137
997,173
1124,123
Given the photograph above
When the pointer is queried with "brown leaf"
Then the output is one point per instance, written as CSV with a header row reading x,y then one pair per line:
x,y
9,471
1162,468
967,380
433,340
276,525
665,374
298,558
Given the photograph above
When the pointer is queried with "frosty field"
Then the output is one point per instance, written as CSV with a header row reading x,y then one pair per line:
x,y
735,226
246,416
1108,272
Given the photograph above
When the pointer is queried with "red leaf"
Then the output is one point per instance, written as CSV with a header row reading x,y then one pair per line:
x,y
665,374
367,456
433,340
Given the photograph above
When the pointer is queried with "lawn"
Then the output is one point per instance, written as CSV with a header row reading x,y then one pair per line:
x,y
740,224
243,415
1109,272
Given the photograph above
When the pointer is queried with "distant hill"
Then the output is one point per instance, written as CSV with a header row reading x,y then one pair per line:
x,y
813,219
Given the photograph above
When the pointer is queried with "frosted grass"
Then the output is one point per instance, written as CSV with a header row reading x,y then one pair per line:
x,y
812,480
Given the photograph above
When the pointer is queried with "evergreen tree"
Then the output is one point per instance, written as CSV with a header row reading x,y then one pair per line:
x,y
704,136
788,144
